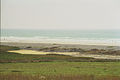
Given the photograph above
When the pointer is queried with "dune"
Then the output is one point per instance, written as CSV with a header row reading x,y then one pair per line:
x,y
42,53
75,54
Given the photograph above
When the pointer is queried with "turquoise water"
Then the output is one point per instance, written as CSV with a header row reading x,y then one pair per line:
x,y
112,36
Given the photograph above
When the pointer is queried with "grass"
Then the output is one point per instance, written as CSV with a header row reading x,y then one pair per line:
x,y
53,68
15,57
67,70
15,66
6,48
58,77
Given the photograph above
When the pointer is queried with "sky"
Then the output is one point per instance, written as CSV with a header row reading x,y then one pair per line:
x,y
60,14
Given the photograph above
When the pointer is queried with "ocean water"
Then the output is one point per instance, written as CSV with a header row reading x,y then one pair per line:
x,y
101,37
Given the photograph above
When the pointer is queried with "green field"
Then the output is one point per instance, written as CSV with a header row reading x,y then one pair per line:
x,y
15,66
53,68
91,70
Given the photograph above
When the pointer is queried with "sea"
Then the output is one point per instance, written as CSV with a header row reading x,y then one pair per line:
x,y
84,37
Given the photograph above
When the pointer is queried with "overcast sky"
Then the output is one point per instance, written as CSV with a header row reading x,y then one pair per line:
x,y
60,14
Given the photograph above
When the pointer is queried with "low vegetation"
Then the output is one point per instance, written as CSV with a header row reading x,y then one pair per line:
x,y
102,51
58,77
6,48
15,57
60,70
14,66
92,51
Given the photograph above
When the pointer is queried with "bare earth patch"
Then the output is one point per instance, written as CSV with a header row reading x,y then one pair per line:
x,y
43,53
75,54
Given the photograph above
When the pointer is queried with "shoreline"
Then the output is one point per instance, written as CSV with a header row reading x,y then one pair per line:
x,y
64,45
63,40
72,43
